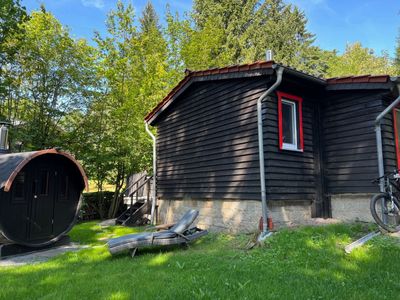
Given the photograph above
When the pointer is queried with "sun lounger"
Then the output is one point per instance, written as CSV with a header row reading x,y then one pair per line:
x,y
180,233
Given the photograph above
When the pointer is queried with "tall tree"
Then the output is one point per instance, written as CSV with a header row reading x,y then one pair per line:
x,y
239,31
12,15
397,55
54,75
359,60
133,66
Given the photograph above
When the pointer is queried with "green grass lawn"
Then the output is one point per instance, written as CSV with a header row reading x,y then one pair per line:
x,y
306,263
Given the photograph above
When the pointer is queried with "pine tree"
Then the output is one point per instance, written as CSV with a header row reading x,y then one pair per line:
x,y
240,31
149,20
397,56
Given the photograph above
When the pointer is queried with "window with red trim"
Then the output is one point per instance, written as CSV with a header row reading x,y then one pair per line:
x,y
290,122
396,124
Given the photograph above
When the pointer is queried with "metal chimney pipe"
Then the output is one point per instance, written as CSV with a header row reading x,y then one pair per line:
x,y
3,138
269,55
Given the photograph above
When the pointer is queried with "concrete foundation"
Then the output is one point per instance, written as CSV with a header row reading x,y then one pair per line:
x,y
244,215
235,216
351,207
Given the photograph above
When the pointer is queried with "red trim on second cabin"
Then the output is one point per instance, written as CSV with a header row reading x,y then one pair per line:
x,y
299,100
396,137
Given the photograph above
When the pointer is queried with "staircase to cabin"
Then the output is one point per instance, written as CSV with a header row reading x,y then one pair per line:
x,y
135,215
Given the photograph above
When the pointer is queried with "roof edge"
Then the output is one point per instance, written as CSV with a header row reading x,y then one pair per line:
x,y
13,175
258,65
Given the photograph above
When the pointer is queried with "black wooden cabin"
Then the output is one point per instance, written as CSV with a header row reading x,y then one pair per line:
x,y
39,196
319,144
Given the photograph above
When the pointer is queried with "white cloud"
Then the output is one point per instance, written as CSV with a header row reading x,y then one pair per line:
x,y
93,3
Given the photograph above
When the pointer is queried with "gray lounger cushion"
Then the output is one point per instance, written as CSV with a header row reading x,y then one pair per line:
x,y
184,223
175,235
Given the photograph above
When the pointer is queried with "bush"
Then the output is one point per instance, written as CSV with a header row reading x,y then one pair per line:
x,y
96,205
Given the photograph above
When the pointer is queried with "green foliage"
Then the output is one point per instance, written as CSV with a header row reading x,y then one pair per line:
x,y
397,55
240,31
358,60
12,15
52,75
97,202
134,76
305,263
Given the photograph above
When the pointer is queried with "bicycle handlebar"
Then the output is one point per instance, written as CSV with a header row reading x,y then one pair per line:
x,y
394,173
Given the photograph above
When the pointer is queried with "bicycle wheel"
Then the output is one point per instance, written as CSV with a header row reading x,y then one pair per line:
x,y
385,212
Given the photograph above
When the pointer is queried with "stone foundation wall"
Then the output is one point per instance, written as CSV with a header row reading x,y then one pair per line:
x,y
235,216
351,207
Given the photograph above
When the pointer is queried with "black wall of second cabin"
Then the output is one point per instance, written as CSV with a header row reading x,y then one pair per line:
x,y
349,147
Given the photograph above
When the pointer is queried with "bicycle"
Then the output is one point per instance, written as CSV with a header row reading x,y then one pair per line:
x,y
385,207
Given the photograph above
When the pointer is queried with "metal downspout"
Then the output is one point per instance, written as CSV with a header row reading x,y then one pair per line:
x,y
265,213
154,194
378,132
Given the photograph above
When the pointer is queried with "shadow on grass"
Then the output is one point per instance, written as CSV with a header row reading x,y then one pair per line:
x,y
307,263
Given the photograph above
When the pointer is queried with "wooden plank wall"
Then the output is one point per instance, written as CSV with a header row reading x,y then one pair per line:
x,y
207,143
207,146
349,141
389,146
290,175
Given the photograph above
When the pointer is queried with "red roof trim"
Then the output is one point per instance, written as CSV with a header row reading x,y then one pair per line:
x,y
359,79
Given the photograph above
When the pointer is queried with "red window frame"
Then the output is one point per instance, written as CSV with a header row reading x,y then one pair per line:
x,y
299,100
396,137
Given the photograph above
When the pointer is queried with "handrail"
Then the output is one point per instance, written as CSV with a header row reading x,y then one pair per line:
x,y
141,185
144,175
135,191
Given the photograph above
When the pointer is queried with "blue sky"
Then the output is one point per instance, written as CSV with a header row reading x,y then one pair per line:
x,y
375,23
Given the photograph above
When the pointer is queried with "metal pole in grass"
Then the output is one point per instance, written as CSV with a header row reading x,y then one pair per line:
x,y
381,168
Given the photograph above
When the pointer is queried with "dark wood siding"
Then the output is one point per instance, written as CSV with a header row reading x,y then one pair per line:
x,y
207,146
349,141
207,142
290,175
389,144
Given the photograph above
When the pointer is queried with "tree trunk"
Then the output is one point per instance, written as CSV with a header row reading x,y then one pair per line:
x,y
119,182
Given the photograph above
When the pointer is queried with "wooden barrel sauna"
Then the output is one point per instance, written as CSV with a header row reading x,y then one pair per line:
x,y
40,196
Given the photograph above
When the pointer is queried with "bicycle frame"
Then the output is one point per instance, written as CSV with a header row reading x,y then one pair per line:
x,y
394,196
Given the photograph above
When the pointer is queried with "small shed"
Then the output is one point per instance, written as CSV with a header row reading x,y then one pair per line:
x,y
39,196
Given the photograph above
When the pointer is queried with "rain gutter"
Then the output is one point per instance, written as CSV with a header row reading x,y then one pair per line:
x,y
154,193
265,213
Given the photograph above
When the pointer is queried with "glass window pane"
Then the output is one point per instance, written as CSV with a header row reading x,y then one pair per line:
x,y
287,123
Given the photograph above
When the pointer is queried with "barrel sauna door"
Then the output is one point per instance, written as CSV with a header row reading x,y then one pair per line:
x,y
42,205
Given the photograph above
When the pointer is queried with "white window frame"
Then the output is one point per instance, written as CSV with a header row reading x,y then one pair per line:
x,y
294,146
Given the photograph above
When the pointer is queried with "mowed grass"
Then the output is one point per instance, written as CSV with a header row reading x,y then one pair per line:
x,y
305,263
